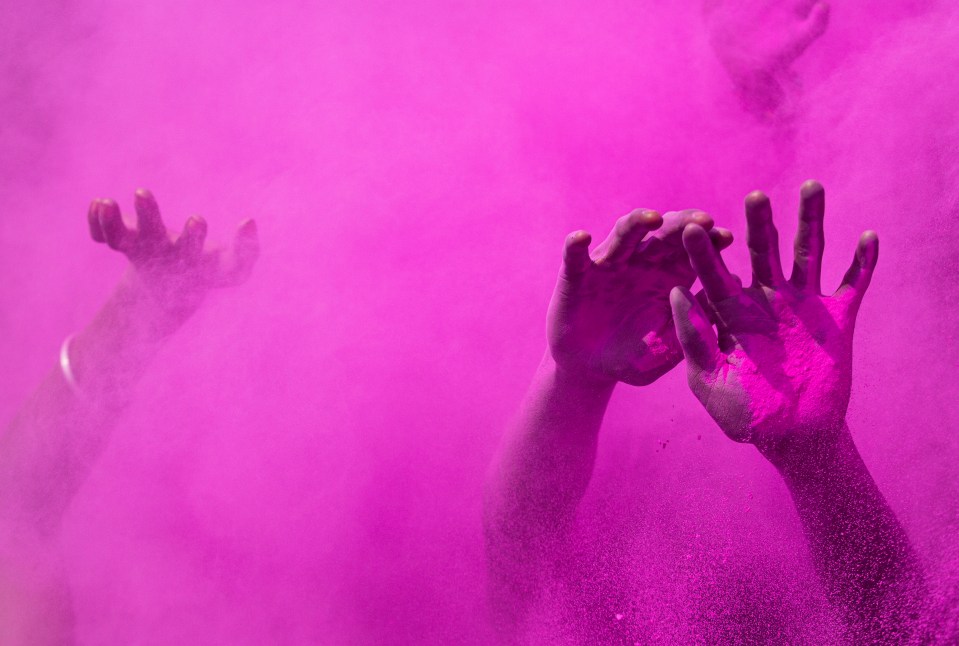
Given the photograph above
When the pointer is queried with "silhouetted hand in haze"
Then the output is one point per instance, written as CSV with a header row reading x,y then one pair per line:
x,y
779,373
76,406
609,318
175,272
50,447
757,41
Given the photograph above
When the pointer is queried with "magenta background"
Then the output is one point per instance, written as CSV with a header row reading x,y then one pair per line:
x,y
304,462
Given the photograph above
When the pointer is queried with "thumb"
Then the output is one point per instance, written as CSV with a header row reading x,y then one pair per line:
x,y
695,334
237,263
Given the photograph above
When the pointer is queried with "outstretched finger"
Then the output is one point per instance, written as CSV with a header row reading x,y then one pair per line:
x,y
576,258
696,335
189,245
149,223
93,220
238,264
762,239
667,240
708,265
629,233
114,229
857,278
810,239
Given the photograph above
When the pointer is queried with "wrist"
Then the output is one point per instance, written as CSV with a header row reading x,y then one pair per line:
x,y
575,379
565,403
802,457
152,309
109,354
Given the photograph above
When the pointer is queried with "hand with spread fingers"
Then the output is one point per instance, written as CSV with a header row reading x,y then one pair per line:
x,y
176,271
609,318
777,372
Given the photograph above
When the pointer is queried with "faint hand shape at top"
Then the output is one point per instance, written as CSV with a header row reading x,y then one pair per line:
x,y
175,272
609,318
779,372
757,41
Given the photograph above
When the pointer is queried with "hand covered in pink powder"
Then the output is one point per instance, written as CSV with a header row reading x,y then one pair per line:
x,y
778,373
758,40
174,272
609,318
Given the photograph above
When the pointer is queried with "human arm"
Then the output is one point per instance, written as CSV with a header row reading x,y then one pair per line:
x,y
48,449
777,373
50,446
867,564
608,321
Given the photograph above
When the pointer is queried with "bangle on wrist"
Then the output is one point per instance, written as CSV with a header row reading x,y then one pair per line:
x,y
67,370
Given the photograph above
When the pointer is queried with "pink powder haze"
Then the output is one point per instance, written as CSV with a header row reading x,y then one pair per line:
x,y
303,463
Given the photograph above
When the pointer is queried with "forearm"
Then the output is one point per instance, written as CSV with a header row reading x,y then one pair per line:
x,y
862,553
546,457
48,449
538,478
111,353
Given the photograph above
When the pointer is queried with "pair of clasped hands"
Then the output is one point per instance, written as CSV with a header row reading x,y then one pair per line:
x,y
770,362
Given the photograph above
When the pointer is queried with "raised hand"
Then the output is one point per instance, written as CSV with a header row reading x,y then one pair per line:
x,y
609,321
609,318
175,271
49,448
778,373
757,41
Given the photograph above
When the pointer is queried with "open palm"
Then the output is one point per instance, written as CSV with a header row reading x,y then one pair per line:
x,y
778,368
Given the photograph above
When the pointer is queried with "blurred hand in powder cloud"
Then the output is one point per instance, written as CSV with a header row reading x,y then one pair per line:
x,y
608,321
168,279
50,447
173,272
757,41
777,372
609,317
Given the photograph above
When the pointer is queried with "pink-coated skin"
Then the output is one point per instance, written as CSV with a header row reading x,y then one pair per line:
x,y
783,374
777,373
59,434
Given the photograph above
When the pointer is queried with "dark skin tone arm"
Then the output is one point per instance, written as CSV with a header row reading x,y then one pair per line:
x,y
776,372
608,321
